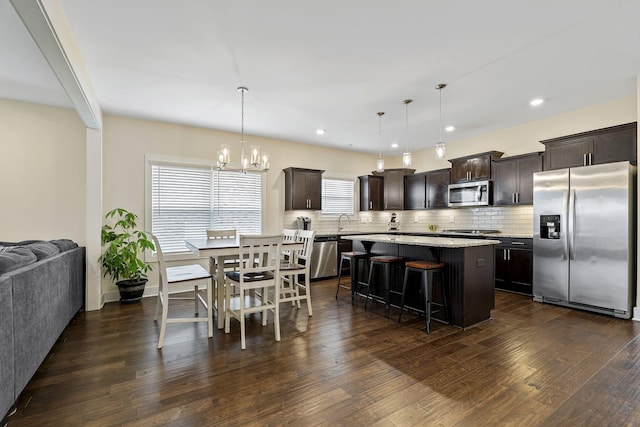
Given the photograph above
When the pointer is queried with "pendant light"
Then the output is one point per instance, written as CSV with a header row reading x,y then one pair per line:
x,y
380,161
255,162
406,156
440,146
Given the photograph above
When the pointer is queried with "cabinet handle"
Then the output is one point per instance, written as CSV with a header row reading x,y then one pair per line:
x,y
371,205
513,197
590,159
517,243
517,197
508,254
504,254
584,159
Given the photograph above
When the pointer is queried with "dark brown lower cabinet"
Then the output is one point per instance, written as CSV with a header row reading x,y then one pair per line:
x,y
514,266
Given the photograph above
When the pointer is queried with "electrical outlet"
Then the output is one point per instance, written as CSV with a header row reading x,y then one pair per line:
x,y
452,219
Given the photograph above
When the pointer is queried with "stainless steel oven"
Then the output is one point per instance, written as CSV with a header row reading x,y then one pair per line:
x,y
475,193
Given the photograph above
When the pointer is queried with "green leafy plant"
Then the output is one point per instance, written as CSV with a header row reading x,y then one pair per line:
x,y
122,244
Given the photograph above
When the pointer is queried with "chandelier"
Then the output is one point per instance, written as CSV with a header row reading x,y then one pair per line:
x,y
256,162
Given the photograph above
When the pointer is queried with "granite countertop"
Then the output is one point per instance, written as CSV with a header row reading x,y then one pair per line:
x,y
346,233
438,242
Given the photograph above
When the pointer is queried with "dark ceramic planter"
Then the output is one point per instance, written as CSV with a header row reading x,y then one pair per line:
x,y
131,290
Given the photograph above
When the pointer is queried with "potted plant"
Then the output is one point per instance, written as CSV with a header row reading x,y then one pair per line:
x,y
122,246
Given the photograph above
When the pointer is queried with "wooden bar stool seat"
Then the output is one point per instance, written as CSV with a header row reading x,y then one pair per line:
x,y
386,263
427,270
353,258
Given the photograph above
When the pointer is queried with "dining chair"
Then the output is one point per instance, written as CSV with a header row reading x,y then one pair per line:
x,y
259,271
170,277
288,235
296,272
228,262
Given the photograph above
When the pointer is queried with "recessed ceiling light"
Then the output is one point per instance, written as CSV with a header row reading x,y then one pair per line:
x,y
536,102
450,128
394,145
321,131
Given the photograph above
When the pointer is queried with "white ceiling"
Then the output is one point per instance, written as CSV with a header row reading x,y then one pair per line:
x,y
334,64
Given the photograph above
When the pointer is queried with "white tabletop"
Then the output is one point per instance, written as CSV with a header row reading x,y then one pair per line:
x,y
437,242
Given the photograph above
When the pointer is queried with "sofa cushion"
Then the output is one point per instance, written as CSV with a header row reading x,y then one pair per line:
x,y
64,244
14,257
43,250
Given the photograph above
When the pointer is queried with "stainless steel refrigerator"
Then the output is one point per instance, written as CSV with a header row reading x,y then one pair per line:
x,y
584,238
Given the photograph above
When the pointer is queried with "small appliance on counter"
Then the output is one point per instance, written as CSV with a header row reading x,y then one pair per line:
x,y
393,225
304,223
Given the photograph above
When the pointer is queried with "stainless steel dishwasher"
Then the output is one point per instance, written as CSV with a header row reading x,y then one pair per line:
x,y
324,258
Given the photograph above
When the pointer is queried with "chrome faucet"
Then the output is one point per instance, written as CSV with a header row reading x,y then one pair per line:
x,y
340,219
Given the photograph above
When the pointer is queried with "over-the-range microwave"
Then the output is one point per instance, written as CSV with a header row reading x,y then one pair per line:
x,y
475,193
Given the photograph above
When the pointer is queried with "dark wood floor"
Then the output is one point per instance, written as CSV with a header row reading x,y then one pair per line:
x,y
531,365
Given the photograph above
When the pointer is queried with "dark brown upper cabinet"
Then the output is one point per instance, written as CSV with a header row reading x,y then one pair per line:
x,y
513,179
302,189
427,190
394,187
476,167
371,192
612,144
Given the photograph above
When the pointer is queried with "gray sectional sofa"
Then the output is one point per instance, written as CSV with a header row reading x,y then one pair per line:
x,y
42,287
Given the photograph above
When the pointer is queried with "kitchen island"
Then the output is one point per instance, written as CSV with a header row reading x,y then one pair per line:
x,y
469,272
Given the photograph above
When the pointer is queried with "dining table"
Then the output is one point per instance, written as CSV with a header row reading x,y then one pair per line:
x,y
219,250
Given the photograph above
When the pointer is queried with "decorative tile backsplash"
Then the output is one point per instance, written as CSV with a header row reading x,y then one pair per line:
x,y
510,220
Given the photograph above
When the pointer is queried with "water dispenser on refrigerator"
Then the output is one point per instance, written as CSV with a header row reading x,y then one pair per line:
x,y
549,226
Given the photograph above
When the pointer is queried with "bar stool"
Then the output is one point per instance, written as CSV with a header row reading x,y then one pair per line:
x,y
427,270
354,259
386,262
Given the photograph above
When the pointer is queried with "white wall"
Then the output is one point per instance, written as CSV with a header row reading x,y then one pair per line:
x,y
42,171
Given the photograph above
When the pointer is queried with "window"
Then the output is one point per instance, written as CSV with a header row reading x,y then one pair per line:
x,y
188,199
337,196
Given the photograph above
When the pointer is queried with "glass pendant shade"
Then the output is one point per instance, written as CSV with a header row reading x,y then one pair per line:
x,y
223,157
406,156
406,159
441,148
255,155
380,161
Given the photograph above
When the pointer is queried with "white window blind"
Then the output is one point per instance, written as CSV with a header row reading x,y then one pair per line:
x,y
337,196
186,201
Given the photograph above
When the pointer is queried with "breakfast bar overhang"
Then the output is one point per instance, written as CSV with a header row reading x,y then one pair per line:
x,y
469,268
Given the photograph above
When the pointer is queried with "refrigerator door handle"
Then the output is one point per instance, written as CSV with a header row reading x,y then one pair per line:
x,y
572,223
565,235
